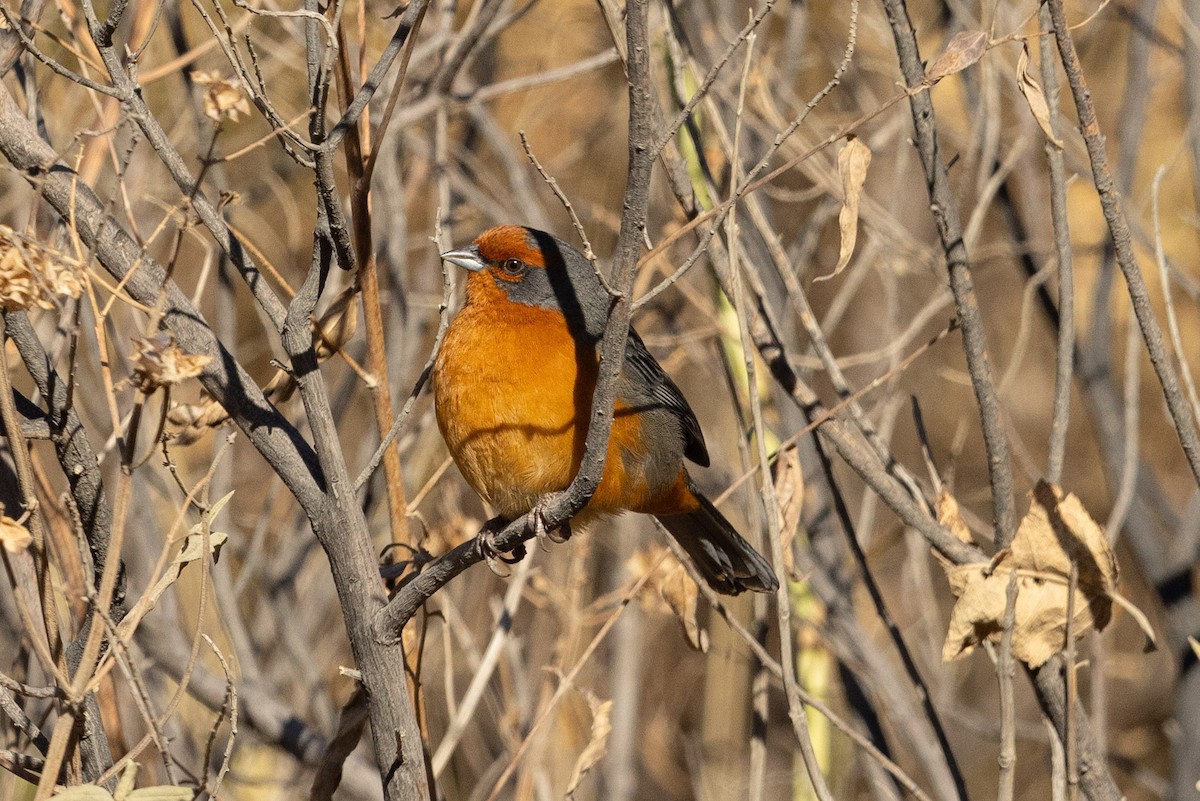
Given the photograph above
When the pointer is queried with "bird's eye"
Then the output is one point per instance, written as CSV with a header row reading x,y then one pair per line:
x,y
513,266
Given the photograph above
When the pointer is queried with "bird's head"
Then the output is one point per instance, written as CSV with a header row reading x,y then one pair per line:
x,y
531,268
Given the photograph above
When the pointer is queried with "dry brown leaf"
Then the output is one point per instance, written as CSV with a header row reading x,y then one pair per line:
x,y
20,290
789,492
852,162
60,275
223,99
962,51
33,275
949,516
13,536
191,550
1055,531
159,362
674,589
1035,97
188,422
597,742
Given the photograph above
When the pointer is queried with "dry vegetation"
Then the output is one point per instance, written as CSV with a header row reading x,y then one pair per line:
x,y
909,373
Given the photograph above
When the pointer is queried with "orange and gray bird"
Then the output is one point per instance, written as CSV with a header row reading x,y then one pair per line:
x,y
513,386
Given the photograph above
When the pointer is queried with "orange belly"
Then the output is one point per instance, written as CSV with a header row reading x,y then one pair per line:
x,y
513,397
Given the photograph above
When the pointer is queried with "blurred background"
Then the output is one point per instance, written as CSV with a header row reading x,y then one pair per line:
x,y
687,722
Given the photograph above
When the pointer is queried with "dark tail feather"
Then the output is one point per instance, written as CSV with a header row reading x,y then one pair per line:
x,y
728,563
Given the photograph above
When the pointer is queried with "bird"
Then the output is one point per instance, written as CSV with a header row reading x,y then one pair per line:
x,y
513,382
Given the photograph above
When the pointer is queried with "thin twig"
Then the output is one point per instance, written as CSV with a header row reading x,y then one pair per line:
x,y
1160,259
483,672
409,21
944,209
228,707
1132,417
776,669
357,148
767,487
1005,667
1065,357
41,590
567,681
745,35
566,202
1114,215
1069,726
21,721
751,181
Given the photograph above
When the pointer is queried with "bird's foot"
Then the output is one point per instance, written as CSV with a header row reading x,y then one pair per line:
x,y
395,571
543,532
485,542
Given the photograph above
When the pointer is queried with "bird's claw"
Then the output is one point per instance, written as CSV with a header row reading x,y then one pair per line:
x,y
485,542
397,572
543,532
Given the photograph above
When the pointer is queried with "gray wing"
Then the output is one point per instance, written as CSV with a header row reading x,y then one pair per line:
x,y
655,389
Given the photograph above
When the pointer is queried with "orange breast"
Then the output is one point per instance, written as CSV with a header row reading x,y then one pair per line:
x,y
513,398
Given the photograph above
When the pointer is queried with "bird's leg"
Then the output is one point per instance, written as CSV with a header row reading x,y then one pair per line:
x,y
485,541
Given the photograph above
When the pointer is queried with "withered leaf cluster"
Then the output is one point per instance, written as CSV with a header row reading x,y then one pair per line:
x,y
1056,532
32,275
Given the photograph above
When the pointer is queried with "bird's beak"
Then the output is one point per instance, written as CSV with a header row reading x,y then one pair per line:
x,y
468,258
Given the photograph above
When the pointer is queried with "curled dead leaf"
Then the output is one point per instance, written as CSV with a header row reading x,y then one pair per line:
x,y
1055,532
789,492
159,362
193,547
852,162
20,289
1035,97
597,741
674,589
34,275
223,100
963,50
188,422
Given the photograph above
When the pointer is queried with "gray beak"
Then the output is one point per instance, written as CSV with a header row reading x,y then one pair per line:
x,y
468,258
